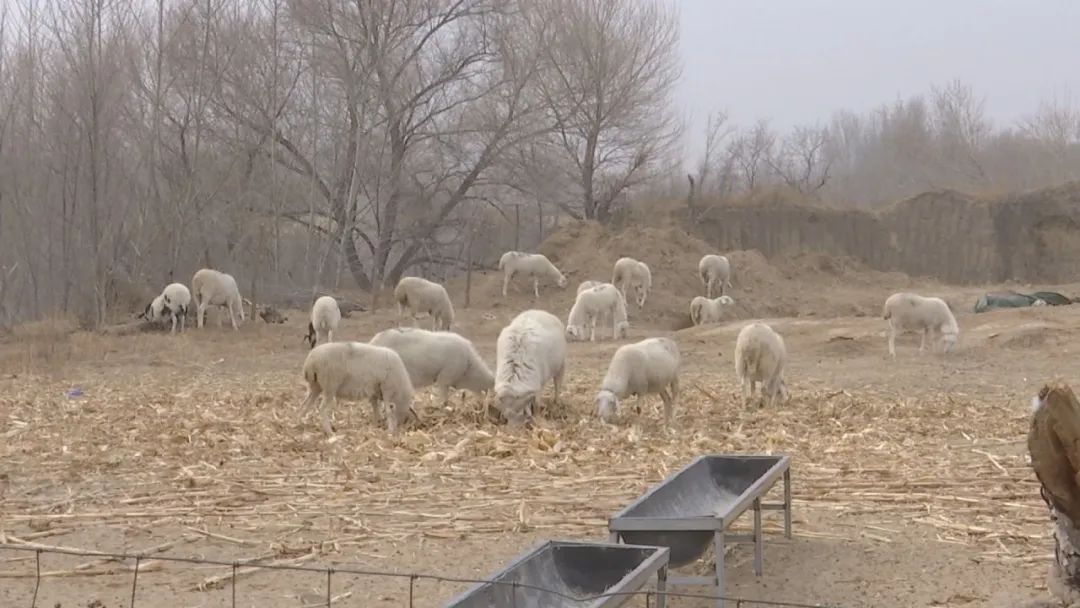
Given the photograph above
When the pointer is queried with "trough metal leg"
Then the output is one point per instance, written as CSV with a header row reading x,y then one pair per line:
x,y
661,587
759,567
787,503
613,538
718,548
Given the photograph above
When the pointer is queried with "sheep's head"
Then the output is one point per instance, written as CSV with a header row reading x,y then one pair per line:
x,y
561,281
606,403
948,341
575,333
514,407
622,329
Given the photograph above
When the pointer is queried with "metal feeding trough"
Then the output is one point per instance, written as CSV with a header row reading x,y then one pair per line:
x,y
694,507
575,572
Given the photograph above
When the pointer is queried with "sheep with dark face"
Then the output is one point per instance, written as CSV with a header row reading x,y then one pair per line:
x,y
325,317
172,304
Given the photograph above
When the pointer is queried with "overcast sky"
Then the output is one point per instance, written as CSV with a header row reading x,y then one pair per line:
x,y
796,61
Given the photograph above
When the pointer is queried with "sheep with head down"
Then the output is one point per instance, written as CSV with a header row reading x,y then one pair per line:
x,y
530,352
601,302
210,287
355,371
325,317
441,358
912,313
420,296
647,367
533,266
760,356
632,274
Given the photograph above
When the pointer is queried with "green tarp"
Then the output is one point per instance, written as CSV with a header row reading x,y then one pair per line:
x,y
1012,299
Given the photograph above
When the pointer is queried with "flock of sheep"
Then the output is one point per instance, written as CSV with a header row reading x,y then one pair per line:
x,y
531,350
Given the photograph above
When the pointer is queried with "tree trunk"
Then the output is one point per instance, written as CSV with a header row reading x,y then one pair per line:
x,y
1054,444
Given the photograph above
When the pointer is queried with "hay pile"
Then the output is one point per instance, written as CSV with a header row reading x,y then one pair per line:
x,y
803,285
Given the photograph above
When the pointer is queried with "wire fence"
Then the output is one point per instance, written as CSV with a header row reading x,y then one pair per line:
x,y
526,593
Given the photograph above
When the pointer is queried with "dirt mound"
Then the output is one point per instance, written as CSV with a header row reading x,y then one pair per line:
x,y
810,284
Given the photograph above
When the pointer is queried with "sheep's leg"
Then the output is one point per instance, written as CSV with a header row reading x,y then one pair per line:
x,y
201,314
328,401
669,405
708,289
536,288
892,342
922,342
376,405
173,330
506,281
557,381
183,321
592,329
313,394
329,335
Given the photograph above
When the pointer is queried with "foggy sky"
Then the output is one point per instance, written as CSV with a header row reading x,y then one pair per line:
x,y
797,61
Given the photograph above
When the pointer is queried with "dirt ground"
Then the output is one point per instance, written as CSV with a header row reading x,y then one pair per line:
x,y
910,478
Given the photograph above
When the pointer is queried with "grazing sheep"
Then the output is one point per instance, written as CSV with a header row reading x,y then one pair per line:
x,y
155,310
354,371
646,367
704,310
529,352
909,312
421,296
529,265
442,358
588,285
715,270
176,298
325,316
212,288
759,357
599,302
632,273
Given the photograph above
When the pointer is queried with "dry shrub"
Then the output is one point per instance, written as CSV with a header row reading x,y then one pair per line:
x,y
39,345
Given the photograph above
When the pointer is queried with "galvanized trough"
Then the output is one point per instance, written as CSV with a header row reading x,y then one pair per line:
x,y
575,571
693,508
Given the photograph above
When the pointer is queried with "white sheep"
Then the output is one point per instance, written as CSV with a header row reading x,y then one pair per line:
x,y
715,270
212,288
175,300
629,273
442,358
909,312
325,317
703,310
530,351
646,367
354,371
529,265
421,296
760,356
600,302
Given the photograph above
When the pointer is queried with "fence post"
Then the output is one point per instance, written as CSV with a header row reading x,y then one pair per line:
x,y
234,566
412,583
329,599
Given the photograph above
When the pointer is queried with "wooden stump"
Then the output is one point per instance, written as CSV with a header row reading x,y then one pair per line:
x,y
1054,444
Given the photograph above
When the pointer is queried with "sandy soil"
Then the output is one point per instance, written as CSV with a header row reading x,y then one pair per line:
x,y
910,480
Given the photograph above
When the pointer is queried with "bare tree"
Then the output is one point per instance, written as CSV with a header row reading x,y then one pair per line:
x,y
750,154
802,162
614,65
